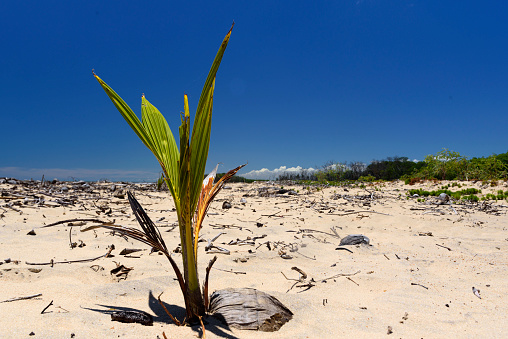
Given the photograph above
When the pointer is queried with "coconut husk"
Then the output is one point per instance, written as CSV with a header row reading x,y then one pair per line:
x,y
249,309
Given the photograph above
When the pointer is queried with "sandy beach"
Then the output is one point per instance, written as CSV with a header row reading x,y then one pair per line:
x,y
414,280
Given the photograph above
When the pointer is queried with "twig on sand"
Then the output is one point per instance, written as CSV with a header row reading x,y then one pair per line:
x,y
343,214
345,249
70,239
202,326
211,248
230,271
177,323
306,256
52,262
308,230
222,226
304,275
45,308
448,248
301,279
434,211
348,278
104,222
420,285
335,231
21,298
341,275
272,215
13,208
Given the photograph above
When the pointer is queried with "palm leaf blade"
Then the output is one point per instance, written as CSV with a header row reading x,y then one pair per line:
x,y
200,139
126,112
165,149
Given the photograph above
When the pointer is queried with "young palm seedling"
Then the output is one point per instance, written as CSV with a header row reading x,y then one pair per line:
x,y
183,171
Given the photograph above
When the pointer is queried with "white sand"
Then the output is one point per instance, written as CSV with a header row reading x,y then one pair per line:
x,y
363,306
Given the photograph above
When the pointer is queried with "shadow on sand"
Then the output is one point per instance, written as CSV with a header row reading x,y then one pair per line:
x,y
212,324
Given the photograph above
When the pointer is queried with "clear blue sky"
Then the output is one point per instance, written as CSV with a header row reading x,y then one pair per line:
x,y
301,83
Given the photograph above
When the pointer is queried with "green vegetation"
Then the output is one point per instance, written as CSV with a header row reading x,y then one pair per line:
x,y
235,178
469,194
367,178
183,172
449,165
456,195
499,196
393,168
471,198
444,165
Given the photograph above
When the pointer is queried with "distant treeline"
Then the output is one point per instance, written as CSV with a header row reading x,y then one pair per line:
x,y
444,165
234,178
161,184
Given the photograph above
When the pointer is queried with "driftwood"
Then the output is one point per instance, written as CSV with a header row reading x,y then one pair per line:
x,y
249,309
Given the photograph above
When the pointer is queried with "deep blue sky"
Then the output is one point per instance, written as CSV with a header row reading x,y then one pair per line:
x,y
301,83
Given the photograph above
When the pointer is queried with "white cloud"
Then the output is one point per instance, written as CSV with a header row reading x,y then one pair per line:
x,y
78,173
267,174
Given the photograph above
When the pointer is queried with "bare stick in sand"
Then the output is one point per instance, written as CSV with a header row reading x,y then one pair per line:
x,y
335,235
45,308
21,298
415,284
177,323
230,271
348,278
343,214
52,262
70,239
78,219
341,275
448,248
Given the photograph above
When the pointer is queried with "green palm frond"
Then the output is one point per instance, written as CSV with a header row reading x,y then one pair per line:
x,y
163,141
200,140
154,132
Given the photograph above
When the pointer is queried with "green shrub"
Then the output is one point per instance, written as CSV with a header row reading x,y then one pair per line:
x,y
455,195
469,191
491,196
367,178
471,197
